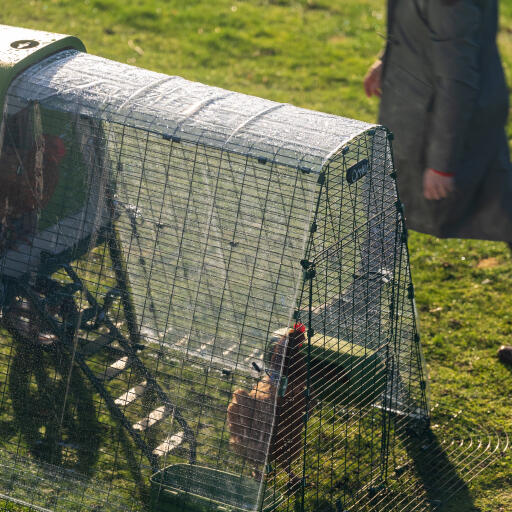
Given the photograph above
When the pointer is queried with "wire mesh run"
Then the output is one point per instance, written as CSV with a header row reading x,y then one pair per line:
x,y
206,302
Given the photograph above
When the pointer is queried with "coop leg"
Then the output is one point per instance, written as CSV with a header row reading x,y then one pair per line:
x,y
124,286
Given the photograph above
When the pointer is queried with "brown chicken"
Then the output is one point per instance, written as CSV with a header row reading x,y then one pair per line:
x,y
28,179
250,414
23,186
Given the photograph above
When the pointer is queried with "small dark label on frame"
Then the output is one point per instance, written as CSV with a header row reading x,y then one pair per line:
x,y
357,171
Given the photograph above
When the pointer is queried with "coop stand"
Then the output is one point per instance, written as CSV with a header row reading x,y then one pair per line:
x,y
49,299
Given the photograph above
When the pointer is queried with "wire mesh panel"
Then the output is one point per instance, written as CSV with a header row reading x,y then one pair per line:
x,y
364,360
206,299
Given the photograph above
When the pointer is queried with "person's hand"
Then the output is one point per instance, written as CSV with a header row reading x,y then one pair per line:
x,y
372,80
437,185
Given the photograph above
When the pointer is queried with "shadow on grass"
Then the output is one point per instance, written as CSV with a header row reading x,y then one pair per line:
x,y
439,471
134,465
53,408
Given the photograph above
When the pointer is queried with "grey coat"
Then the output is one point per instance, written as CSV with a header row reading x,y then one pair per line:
x,y
446,101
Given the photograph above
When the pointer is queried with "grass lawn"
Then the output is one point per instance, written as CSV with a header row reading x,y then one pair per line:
x,y
314,53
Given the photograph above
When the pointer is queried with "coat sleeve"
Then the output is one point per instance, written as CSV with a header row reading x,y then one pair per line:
x,y
389,23
455,55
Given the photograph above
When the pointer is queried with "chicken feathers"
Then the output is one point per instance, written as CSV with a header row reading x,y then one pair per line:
x,y
250,415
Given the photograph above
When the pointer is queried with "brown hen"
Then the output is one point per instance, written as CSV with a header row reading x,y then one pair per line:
x,y
250,414
28,178
24,185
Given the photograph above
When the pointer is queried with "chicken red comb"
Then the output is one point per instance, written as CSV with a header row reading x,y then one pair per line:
x,y
299,328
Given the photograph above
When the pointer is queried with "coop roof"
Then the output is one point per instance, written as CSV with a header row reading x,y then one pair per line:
x,y
179,109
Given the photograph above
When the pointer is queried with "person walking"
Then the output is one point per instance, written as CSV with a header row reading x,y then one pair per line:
x,y
444,96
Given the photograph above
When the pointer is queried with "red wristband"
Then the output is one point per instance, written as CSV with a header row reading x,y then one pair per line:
x,y
445,174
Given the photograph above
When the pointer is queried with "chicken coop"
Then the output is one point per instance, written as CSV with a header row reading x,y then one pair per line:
x,y
206,301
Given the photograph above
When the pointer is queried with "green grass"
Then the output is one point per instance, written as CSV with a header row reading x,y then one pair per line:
x,y
314,53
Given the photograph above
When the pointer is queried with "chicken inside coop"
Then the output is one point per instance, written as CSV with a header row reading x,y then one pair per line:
x,y
251,413
29,164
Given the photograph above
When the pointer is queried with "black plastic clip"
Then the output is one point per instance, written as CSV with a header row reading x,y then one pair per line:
x,y
309,274
172,138
309,269
305,264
